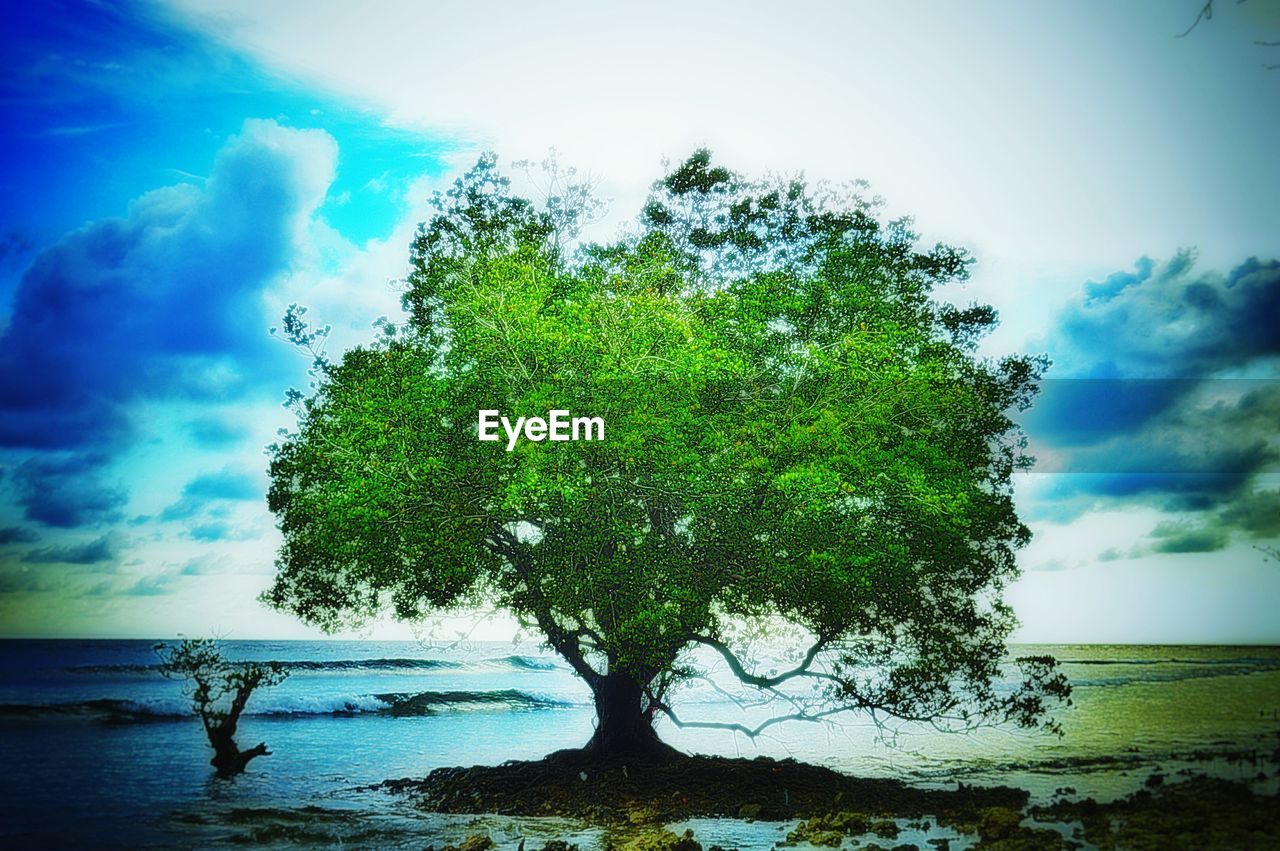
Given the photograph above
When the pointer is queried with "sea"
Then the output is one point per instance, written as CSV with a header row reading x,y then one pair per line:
x,y
98,749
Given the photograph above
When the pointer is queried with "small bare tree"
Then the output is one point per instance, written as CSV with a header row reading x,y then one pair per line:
x,y
219,689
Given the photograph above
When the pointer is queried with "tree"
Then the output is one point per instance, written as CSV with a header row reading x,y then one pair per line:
x,y
219,690
797,435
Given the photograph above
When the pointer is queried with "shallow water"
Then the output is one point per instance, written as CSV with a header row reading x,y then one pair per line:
x,y
101,749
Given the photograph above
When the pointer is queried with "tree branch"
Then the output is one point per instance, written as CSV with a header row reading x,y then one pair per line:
x,y
740,671
749,732
1206,12
562,640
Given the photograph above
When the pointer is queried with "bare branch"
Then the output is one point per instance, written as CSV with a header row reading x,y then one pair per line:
x,y
740,671
1206,13
749,732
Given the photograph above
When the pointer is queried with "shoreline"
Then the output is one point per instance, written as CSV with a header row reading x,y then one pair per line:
x,y
649,808
1140,712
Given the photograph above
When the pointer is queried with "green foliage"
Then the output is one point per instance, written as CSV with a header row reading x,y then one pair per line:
x,y
797,433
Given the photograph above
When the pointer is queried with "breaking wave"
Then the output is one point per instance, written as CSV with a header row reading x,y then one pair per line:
x,y
397,664
394,704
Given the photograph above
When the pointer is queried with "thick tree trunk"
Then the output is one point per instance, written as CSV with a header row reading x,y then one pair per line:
x,y
228,760
624,731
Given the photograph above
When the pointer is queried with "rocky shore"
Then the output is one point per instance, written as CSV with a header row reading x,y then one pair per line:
x,y
644,807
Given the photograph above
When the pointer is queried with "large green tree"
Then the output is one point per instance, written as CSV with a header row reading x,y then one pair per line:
x,y
796,434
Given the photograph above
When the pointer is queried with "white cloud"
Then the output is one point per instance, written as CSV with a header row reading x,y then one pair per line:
x,y
1032,132
1054,143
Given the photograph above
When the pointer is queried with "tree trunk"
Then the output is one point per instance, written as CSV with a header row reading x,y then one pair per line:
x,y
228,760
623,729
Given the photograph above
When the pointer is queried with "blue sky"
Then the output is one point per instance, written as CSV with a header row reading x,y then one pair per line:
x,y
175,174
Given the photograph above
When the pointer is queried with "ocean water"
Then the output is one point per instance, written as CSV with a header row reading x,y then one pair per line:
x,y
98,749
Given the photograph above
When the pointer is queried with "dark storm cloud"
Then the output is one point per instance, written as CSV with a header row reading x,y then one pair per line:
x,y
164,303
27,580
1132,399
18,535
159,303
1137,410
1215,431
1254,514
1166,320
1178,538
68,491
1084,411
1258,513
99,551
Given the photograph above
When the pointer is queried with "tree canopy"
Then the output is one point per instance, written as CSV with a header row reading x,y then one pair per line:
x,y
798,433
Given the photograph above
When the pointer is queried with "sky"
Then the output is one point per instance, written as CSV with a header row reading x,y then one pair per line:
x,y
175,174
